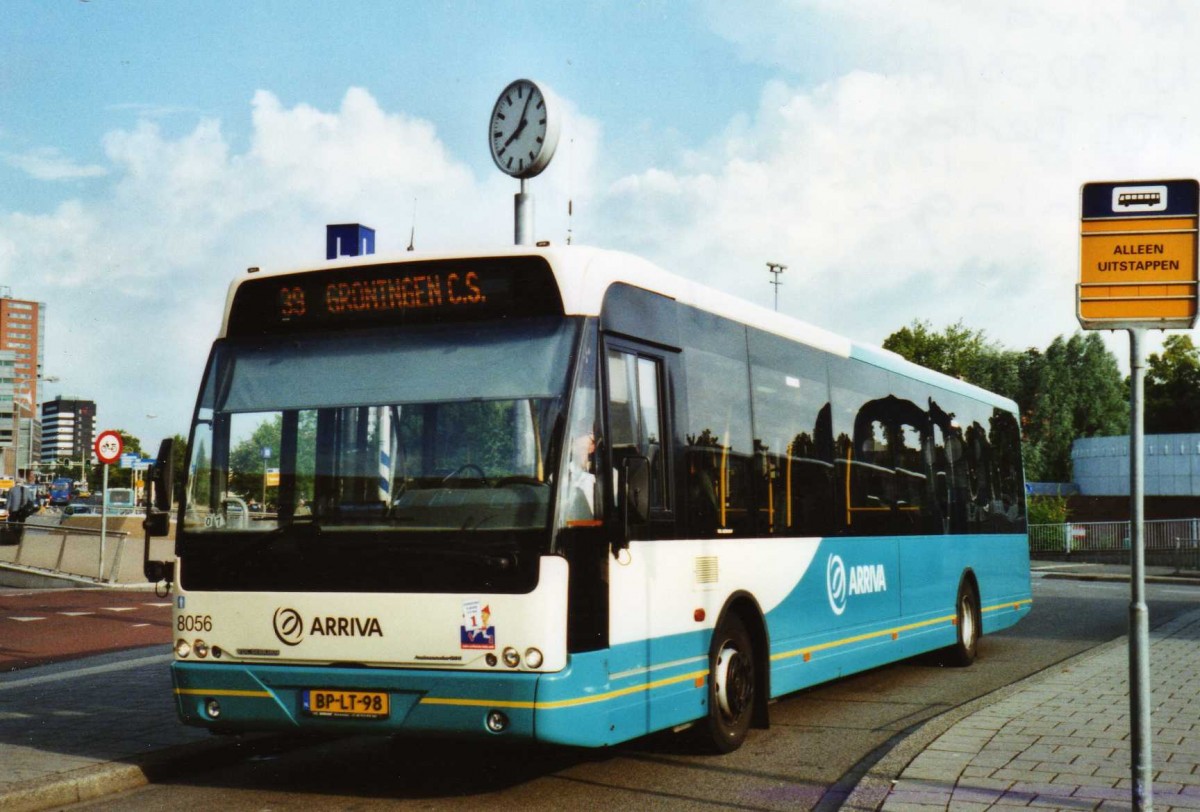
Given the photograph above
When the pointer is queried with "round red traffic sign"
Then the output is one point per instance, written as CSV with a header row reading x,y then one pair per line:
x,y
109,447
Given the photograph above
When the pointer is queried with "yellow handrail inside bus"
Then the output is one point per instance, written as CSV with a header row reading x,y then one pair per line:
x,y
849,451
788,484
724,478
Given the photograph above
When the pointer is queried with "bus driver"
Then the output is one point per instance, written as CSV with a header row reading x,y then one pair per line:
x,y
581,481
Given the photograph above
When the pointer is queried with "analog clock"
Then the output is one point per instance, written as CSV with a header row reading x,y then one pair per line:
x,y
523,131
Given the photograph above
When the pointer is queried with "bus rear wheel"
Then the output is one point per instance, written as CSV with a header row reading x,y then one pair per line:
x,y
731,688
967,621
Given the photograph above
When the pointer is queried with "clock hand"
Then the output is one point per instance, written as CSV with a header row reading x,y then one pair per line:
x,y
515,133
521,126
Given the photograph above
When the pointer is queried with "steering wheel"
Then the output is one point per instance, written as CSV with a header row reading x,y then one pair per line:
x,y
469,466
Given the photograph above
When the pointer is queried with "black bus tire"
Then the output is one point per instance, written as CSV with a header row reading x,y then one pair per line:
x,y
968,625
731,688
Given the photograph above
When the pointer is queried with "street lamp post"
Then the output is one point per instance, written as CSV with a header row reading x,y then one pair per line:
x,y
776,269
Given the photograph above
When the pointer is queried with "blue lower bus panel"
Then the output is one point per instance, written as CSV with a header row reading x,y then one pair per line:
x,y
554,708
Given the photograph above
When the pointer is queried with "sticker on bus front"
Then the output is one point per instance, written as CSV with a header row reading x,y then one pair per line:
x,y
476,631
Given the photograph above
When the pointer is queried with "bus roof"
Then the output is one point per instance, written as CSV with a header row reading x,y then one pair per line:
x,y
584,274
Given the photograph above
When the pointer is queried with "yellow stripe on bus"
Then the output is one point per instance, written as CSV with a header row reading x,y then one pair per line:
x,y
894,633
222,692
696,676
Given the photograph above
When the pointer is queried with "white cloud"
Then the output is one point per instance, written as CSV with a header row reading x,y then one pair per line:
x,y
930,170
135,281
336,157
48,163
942,181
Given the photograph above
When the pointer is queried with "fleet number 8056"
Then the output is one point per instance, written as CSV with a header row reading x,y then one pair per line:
x,y
194,623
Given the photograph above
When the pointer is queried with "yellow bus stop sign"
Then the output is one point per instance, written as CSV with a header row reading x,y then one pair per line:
x,y
1137,255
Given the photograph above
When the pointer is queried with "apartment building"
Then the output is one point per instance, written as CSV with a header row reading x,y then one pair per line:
x,y
22,339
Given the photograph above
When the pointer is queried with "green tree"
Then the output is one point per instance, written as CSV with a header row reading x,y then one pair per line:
x,y
1047,509
1074,389
179,471
246,462
959,352
1173,387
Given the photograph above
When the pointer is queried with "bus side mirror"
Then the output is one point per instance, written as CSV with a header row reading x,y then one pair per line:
x,y
156,571
160,490
163,479
157,524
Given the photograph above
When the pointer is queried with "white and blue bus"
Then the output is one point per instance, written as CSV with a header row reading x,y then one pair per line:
x,y
559,494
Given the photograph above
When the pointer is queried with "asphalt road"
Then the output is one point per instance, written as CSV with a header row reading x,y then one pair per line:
x,y
820,741
51,625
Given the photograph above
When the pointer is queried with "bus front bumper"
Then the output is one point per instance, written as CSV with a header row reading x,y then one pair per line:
x,y
576,706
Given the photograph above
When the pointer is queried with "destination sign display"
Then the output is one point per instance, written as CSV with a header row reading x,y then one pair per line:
x,y
395,293
1138,259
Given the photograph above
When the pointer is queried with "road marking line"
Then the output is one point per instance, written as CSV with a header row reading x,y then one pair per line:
x,y
76,614
159,605
118,608
25,619
87,672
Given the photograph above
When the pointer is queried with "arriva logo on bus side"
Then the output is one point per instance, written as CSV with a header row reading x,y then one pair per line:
x,y
860,580
289,626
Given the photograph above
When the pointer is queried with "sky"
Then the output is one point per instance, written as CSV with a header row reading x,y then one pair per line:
x,y
905,161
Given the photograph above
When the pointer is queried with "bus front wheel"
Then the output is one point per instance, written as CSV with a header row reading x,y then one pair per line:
x,y
967,621
731,688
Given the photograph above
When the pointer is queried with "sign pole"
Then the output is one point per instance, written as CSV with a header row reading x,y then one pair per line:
x,y
108,449
103,519
1139,615
1138,270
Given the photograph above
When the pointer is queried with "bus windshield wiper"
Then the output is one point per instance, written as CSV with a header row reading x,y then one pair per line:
x,y
498,560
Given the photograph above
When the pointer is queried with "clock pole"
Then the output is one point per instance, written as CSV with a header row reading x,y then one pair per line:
x,y
523,134
523,216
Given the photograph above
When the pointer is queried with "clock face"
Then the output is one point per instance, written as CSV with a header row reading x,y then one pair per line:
x,y
522,133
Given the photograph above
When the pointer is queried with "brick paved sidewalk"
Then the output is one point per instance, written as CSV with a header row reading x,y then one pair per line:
x,y
1061,741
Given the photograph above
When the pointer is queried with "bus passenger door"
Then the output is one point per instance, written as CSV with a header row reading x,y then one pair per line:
x,y
638,425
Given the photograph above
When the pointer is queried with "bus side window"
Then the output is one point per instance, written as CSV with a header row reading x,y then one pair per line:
x,y
720,445
1005,437
635,416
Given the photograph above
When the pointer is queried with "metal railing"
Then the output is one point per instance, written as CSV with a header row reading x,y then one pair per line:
x,y
1168,542
70,550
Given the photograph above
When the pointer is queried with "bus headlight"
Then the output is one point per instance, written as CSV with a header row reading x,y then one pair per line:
x,y
496,721
201,649
182,648
533,658
511,657
213,708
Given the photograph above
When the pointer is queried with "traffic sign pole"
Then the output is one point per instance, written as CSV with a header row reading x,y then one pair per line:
x,y
1137,271
108,450
1139,614
103,518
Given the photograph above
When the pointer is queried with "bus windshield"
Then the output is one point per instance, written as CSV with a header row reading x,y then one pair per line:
x,y
419,430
